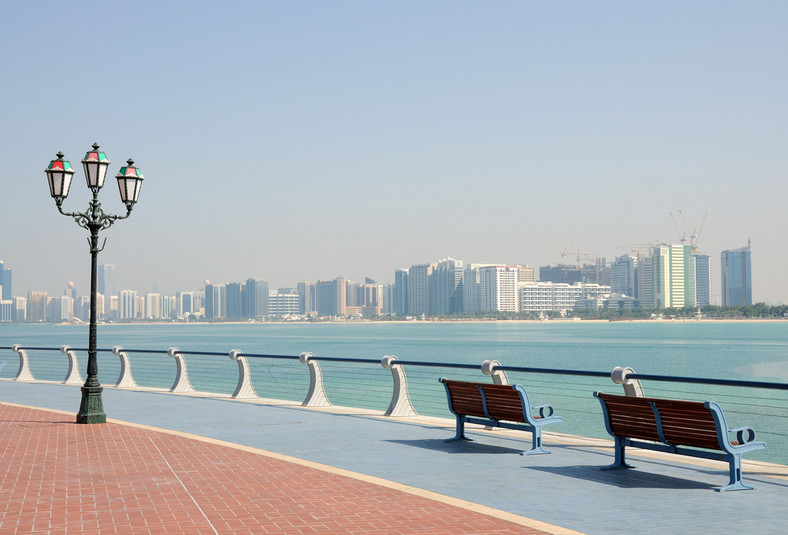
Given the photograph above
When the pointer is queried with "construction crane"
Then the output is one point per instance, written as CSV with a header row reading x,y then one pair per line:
x,y
693,237
562,252
682,236
579,254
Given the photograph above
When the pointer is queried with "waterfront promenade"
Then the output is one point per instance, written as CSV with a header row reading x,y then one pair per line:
x,y
196,464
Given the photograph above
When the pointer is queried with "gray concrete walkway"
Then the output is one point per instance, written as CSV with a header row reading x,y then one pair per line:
x,y
666,494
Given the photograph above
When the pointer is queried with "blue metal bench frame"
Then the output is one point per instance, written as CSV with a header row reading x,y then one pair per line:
x,y
529,421
732,452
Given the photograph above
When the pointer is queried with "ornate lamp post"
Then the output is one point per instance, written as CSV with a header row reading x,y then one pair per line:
x,y
59,172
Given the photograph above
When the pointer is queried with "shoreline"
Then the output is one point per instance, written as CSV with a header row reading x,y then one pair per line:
x,y
426,321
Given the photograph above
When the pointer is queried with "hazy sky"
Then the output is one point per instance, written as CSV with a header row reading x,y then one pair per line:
x,y
305,140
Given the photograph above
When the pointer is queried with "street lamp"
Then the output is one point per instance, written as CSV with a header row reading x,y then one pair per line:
x,y
59,172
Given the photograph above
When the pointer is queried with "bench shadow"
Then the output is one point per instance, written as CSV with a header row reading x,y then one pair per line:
x,y
627,479
462,447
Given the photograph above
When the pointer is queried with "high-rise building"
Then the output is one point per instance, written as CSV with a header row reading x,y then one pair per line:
x,y
184,303
6,310
445,287
736,275
233,299
283,304
332,297
105,283
401,292
388,300
6,292
307,292
673,276
37,307
525,274
471,288
127,305
254,295
622,275
419,289
702,279
596,273
20,309
215,301
562,273
499,289
153,306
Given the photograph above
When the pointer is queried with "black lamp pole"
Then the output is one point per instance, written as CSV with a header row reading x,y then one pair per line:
x,y
59,173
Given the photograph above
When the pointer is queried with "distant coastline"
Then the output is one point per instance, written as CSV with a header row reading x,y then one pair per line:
x,y
432,321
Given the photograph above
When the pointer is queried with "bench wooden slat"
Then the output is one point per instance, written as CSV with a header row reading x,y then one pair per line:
x,y
688,423
466,399
631,417
503,403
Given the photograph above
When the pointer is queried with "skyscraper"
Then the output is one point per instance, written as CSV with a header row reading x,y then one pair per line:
x,y
127,306
254,295
736,274
401,292
499,289
702,279
419,289
622,275
446,287
106,280
37,306
233,299
673,276
5,283
332,297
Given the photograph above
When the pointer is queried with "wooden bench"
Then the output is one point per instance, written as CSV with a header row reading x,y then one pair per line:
x,y
505,406
676,427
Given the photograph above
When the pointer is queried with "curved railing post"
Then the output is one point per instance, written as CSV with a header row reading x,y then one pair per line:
x,y
72,377
182,383
632,387
498,376
24,373
244,390
125,379
400,400
316,397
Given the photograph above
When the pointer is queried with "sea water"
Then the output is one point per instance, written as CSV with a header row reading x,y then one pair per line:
x,y
720,350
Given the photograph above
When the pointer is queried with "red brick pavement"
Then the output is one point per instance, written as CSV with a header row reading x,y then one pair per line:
x,y
60,477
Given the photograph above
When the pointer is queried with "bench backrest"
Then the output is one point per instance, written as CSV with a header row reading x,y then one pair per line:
x,y
631,417
465,398
685,423
688,423
503,402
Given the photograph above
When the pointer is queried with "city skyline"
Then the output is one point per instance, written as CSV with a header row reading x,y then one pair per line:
x,y
308,140
653,271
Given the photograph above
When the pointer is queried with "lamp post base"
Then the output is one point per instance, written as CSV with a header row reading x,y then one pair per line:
x,y
91,409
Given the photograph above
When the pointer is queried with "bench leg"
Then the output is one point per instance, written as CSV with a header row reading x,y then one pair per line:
x,y
735,483
536,445
620,461
460,432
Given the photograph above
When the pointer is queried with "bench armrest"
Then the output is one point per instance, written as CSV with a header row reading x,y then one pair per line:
x,y
545,411
744,435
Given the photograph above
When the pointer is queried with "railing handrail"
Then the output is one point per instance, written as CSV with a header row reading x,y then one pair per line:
x,y
708,381
553,371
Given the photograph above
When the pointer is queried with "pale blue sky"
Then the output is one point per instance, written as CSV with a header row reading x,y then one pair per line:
x,y
311,139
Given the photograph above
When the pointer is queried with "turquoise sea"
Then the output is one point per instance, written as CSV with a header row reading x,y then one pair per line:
x,y
725,350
